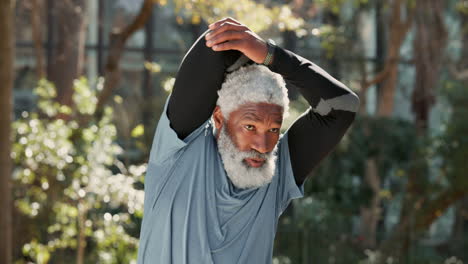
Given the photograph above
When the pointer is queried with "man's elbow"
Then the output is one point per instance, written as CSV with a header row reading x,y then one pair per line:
x,y
355,102
352,108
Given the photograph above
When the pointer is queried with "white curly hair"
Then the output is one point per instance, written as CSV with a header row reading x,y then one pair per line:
x,y
251,84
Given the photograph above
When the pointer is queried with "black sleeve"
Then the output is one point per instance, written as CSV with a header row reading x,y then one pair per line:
x,y
319,129
198,79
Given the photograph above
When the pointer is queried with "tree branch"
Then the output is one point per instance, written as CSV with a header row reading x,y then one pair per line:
x,y
437,207
118,38
377,79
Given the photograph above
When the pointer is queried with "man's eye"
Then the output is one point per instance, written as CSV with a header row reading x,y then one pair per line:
x,y
274,130
249,127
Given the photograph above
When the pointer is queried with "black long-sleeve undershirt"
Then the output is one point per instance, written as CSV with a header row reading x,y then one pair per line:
x,y
311,137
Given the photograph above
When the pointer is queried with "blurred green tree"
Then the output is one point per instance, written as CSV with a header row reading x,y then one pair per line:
x,y
70,182
353,189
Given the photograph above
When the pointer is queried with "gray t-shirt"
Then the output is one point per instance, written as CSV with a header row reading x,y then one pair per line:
x,y
193,213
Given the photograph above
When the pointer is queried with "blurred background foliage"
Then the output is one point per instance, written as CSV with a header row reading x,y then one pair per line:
x,y
91,78
70,183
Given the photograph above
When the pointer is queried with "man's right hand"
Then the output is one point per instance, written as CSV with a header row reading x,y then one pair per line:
x,y
229,34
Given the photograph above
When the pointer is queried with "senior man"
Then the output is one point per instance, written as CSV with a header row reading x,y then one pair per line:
x,y
220,173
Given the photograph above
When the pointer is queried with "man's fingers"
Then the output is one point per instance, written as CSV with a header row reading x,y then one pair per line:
x,y
227,19
226,36
236,44
225,27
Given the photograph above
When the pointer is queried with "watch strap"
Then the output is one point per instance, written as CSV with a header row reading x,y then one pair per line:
x,y
271,49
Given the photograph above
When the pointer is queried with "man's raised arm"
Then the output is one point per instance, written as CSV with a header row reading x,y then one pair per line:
x,y
319,129
198,78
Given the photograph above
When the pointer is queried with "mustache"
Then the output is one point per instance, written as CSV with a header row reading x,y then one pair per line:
x,y
255,154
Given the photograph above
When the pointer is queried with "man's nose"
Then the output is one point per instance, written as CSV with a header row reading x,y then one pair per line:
x,y
260,144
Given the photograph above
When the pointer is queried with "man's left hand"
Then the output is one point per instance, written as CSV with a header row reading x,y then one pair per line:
x,y
229,34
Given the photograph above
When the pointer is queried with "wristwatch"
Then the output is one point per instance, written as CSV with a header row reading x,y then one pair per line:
x,y
271,49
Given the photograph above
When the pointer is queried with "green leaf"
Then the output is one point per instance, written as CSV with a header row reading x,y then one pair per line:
x,y
138,131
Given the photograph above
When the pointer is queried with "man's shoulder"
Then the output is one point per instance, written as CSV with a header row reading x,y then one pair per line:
x,y
166,143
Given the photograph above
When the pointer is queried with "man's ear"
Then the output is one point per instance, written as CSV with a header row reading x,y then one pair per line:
x,y
218,118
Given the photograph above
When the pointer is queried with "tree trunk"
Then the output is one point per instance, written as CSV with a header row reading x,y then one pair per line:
x,y
388,78
7,51
418,212
36,28
429,44
82,213
398,30
370,215
68,59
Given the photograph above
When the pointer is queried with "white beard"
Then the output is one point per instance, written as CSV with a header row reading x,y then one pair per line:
x,y
239,172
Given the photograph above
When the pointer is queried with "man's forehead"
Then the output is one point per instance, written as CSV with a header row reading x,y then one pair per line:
x,y
258,111
260,106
